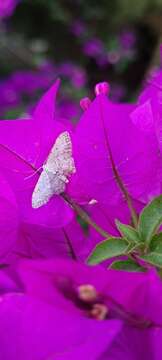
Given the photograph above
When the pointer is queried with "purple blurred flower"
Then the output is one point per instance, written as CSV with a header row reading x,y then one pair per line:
x,y
102,60
74,73
10,98
7,7
78,28
118,91
78,78
127,39
70,109
28,82
93,47
22,88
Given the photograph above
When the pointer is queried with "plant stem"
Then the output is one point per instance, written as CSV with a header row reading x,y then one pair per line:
x,y
85,216
72,252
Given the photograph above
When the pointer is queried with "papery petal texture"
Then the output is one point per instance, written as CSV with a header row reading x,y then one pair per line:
x,y
110,132
24,146
43,332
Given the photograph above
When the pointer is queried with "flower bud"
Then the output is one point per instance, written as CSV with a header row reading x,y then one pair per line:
x,y
102,88
85,103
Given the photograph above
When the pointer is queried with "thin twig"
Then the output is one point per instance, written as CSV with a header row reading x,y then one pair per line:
x,y
84,215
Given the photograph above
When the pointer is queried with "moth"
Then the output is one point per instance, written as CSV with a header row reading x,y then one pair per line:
x,y
56,170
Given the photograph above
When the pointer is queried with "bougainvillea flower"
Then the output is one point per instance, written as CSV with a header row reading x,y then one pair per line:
x,y
25,233
138,294
111,133
69,307
36,330
136,162
24,147
61,278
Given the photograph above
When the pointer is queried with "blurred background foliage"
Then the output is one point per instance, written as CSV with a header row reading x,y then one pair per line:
x,y
81,41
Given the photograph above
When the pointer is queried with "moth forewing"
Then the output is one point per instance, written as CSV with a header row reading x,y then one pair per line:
x,y
60,153
54,177
42,191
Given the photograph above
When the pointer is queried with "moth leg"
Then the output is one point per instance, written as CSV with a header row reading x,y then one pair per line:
x,y
63,178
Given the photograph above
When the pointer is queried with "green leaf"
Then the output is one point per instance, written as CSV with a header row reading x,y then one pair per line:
x,y
150,219
107,249
128,232
13,113
156,243
153,258
126,265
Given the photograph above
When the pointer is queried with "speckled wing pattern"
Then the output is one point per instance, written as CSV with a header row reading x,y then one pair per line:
x,y
58,166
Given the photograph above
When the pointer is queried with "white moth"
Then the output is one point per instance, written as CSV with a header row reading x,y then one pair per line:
x,y
54,177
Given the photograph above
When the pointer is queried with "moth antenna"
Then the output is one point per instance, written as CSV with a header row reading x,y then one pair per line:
x,y
35,172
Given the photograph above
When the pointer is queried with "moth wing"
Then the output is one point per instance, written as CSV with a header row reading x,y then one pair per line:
x,y
60,155
58,183
58,166
63,144
48,184
43,191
